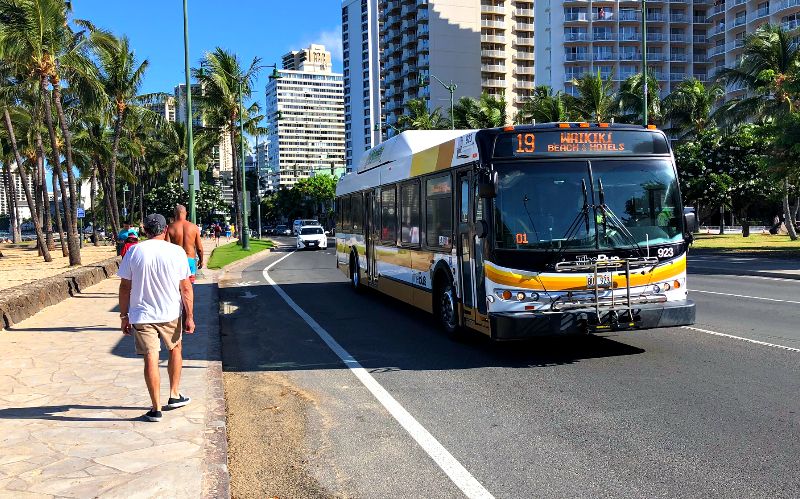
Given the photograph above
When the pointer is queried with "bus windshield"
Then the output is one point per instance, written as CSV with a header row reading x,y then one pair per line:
x,y
542,205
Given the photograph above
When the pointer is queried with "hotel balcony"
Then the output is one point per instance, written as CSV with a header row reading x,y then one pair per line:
x,y
679,57
678,38
699,58
630,16
493,68
492,9
580,57
630,37
527,85
699,39
579,16
700,20
603,36
630,56
716,30
523,26
524,56
678,18
576,37
528,12
493,83
493,38
500,54
524,70
604,56
526,41
492,24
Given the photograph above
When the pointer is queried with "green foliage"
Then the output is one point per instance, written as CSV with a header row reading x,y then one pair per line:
x,y
418,117
544,107
163,199
486,112
595,99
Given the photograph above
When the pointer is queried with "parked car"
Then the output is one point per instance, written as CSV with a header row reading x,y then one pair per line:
x,y
312,237
283,230
267,231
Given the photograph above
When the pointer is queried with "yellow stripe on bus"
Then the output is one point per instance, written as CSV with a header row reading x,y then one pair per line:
x,y
568,282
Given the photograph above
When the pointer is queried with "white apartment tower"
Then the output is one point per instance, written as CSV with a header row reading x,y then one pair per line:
x,y
362,100
586,36
315,58
164,106
483,46
14,188
306,113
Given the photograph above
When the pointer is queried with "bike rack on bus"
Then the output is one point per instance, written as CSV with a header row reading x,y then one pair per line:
x,y
613,266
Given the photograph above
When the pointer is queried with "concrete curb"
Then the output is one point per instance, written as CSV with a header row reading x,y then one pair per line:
x,y
216,476
20,302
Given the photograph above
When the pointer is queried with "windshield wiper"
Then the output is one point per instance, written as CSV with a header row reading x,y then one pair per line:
x,y
525,205
572,230
609,215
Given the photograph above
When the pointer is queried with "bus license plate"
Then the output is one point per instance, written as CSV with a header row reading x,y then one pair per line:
x,y
604,281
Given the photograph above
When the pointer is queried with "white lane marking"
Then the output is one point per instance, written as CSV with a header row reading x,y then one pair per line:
x,y
737,276
462,478
743,296
749,340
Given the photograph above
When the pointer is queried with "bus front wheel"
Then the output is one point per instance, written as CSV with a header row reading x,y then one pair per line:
x,y
446,308
355,274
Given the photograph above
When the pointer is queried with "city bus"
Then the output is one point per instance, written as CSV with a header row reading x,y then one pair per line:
x,y
521,231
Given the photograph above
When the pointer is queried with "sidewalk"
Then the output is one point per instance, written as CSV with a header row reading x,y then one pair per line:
x,y
71,397
765,266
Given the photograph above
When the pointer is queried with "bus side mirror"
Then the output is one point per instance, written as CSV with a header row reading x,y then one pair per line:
x,y
481,229
487,187
690,222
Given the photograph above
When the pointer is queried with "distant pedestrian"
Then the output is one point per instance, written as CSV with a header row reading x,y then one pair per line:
x,y
153,291
186,235
132,240
217,232
228,230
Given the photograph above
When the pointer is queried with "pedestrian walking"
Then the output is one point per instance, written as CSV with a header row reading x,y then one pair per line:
x,y
217,229
186,235
153,290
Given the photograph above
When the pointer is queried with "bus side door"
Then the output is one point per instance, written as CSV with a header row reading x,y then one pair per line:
x,y
466,230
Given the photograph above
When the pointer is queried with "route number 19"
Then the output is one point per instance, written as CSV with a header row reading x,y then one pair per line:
x,y
525,142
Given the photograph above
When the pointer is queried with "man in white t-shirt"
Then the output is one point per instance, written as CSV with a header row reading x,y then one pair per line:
x,y
155,288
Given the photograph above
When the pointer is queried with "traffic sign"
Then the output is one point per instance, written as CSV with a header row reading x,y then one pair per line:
x,y
81,213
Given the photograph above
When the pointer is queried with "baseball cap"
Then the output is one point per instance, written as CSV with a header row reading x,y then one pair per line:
x,y
155,224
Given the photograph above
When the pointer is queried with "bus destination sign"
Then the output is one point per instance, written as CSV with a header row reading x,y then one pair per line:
x,y
554,143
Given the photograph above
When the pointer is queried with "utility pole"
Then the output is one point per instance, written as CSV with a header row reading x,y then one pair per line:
x,y
644,62
258,189
189,120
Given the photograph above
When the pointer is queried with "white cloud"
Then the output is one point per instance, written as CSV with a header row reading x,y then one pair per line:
x,y
332,39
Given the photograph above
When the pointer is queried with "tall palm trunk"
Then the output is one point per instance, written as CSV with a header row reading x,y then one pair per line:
x,y
236,186
112,169
45,206
26,186
57,212
787,213
71,213
92,196
13,208
110,211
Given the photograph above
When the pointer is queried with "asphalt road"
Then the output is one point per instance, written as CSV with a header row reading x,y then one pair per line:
x,y
659,413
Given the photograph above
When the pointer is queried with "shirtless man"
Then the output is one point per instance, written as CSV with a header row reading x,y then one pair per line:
x,y
186,235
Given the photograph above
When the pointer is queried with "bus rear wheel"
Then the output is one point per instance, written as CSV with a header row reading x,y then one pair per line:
x,y
446,308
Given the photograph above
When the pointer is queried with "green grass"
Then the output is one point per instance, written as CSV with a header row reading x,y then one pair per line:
x,y
761,244
229,253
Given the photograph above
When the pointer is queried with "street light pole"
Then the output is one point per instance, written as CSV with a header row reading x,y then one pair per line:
x,y
189,121
644,62
258,190
245,226
450,88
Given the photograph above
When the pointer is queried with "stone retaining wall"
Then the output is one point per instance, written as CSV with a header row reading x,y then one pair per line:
x,y
20,302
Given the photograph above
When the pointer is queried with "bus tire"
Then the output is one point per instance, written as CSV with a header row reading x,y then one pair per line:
x,y
445,307
355,273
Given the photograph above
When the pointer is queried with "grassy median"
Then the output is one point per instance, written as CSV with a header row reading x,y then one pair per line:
x,y
231,252
763,244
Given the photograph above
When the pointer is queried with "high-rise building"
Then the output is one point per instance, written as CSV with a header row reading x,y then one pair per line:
x,y
180,105
606,36
6,189
312,58
362,99
482,46
306,112
165,106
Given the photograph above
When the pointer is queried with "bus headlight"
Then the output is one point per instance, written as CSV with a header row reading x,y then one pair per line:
x,y
521,296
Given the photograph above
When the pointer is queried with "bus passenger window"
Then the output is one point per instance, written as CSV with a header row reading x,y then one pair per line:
x,y
346,222
357,211
439,212
409,213
388,215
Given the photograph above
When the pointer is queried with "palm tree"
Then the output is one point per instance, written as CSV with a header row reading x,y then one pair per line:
x,y
121,77
629,100
38,40
595,99
418,117
544,107
769,72
486,112
171,154
690,107
222,77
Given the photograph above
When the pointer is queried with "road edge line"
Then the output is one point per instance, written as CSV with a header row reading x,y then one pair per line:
x,y
749,340
459,475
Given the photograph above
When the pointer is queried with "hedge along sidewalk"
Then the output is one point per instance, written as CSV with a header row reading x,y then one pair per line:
x,y
231,252
21,302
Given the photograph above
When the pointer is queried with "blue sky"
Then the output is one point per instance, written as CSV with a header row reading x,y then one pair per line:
x,y
250,28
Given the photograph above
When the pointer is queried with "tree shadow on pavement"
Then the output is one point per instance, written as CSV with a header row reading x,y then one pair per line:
x,y
52,413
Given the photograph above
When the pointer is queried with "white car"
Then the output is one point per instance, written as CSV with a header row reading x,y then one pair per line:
x,y
312,237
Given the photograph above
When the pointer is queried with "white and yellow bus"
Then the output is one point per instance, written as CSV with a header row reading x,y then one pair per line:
x,y
523,231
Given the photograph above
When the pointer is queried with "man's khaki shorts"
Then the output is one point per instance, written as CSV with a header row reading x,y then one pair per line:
x,y
146,336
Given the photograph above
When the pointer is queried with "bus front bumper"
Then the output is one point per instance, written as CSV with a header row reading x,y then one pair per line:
x,y
512,326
